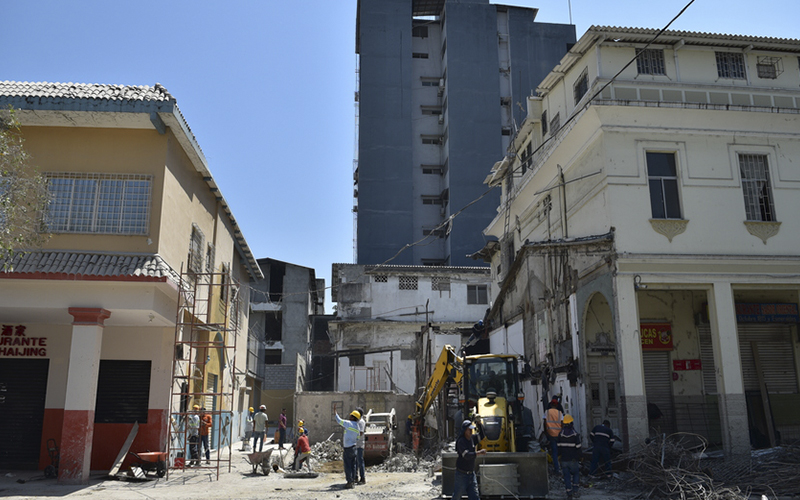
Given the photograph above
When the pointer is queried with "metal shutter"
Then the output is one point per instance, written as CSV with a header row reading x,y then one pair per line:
x,y
123,391
23,387
658,386
707,359
776,354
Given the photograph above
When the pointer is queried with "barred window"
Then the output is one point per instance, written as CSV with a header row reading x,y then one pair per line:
x,y
758,203
730,65
408,283
380,278
440,283
195,263
555,124
581,86
650,62
99,203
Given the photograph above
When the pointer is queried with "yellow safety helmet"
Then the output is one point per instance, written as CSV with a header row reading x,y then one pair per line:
x,y
355,413
568,419
251,408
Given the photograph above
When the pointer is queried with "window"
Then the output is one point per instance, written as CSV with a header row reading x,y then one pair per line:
x,y
419,31
432,200
380,278
581,86
432,139
429,82
99,203
730,65
210,258
440,283
477,294
769,67
431,110
272,356
505,131
123,391
756,186
439,233
544,123
432,169
195,263
408,283
526,158
662,178
650,62
555,124
419,55
356,360
273,327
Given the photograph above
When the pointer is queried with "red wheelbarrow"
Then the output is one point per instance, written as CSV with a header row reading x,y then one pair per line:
x,y
151,461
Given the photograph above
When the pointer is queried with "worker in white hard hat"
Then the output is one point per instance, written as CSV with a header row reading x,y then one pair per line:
x,y
259,427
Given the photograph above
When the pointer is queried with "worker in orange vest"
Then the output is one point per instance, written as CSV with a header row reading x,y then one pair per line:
x,y
552,427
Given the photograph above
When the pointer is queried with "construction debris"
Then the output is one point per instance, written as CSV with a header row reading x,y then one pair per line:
x,y
404,462
327,451
677,467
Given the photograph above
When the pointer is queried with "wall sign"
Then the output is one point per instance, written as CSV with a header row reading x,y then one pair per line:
x,y
686,364
14,342
656,336
767,313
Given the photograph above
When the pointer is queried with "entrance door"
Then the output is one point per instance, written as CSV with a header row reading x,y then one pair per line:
x,y
603,391
23,387
658,390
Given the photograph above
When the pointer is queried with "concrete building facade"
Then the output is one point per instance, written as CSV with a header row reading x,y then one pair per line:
x,y
647,253
89,320
442,87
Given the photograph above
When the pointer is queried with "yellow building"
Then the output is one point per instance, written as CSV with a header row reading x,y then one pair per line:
x,y
89,321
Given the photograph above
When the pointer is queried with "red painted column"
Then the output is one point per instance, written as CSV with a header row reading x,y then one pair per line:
x,y
84,362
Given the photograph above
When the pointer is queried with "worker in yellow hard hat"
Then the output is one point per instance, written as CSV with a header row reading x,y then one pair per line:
x,y
351,432
248,429
569,451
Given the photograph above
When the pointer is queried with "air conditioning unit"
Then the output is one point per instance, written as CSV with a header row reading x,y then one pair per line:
x,y
441,86
441,119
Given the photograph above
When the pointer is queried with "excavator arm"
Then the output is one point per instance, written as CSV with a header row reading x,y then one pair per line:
x,y
448,365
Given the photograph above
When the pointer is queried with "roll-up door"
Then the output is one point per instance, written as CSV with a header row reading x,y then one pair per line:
x,y
23,387
658,388
776,354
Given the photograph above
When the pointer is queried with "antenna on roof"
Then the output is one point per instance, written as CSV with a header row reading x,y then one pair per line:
x,y
569,3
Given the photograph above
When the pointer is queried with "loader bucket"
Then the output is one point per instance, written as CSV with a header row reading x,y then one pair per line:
x,y
531,472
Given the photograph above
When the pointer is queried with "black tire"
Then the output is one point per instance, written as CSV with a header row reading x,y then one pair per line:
x,y
50,472
161,468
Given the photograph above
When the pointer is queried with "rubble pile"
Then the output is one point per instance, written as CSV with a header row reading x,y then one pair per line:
x,y
676,466
327,451
403,462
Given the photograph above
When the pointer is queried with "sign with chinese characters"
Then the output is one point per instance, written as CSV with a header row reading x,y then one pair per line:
x,y
656,336
767,313
14,342
686,364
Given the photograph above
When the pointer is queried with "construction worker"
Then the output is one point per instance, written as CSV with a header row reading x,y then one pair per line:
x,y
205,433
360,466
552,427
248,429
351,432
465,480
602,440
569,446
302,450
259,427
193,433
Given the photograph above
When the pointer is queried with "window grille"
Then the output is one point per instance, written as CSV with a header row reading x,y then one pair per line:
x,y
432,200
650,62
195,263
756,187
769,67
99,203
555,124
730,65
440,283
380,278
419,55
439,233
210,258
544,123
662,178
581,86
419,31
408,283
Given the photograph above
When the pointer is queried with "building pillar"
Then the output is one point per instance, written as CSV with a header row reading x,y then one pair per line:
x,y
629,351
84,362
730,383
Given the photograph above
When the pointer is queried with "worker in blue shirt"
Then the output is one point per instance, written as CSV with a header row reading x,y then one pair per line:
x,y
602,440
351,433
465,480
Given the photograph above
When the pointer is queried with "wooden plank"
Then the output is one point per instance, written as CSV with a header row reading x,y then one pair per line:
x,y
764,396
124,450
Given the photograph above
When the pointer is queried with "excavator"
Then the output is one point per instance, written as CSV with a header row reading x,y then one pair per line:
x,y
490,396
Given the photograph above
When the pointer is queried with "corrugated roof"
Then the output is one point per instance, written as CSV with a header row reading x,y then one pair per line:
x,y
86,91
648,33
92,264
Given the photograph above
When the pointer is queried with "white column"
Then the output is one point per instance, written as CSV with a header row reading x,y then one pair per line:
x,y
77,429
730,383
629,351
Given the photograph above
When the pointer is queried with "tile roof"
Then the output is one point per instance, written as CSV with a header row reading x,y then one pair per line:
x,y
85,91
649,32
91,264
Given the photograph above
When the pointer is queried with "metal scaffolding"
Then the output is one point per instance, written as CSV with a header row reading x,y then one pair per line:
x,y
204,368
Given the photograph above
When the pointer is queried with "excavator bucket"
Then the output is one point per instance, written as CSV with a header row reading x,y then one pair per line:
x,y
502,474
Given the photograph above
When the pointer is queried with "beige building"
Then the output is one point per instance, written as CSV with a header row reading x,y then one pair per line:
x,y
648,251
135,217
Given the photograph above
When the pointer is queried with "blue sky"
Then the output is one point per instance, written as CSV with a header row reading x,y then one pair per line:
x,y
267,87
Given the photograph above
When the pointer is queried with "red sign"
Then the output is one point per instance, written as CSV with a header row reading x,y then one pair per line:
x,y
686,364
656,336
14,342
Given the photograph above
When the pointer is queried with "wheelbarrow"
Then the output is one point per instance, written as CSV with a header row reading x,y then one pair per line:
x,y
151,461
259,458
